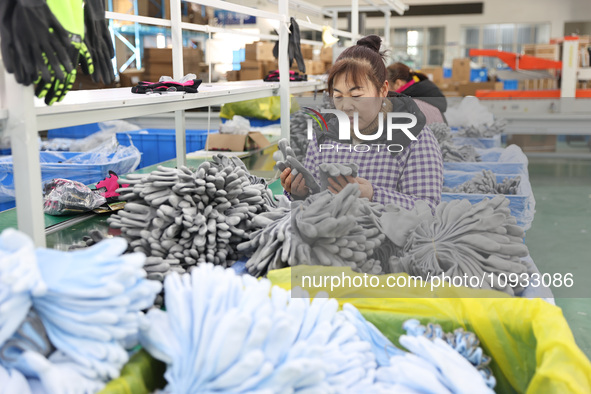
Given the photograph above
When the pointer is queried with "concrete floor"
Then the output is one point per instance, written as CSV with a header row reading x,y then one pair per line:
x,y
560,237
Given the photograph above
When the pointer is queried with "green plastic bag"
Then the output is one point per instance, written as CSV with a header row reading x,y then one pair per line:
x,y
143,374
531,345
268,108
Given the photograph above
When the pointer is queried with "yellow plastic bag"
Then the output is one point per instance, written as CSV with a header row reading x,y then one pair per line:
x,y
530,342
268,108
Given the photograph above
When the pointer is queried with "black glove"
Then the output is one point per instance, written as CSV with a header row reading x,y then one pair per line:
x,y
294,50
34,43
162,87
99,43
294,44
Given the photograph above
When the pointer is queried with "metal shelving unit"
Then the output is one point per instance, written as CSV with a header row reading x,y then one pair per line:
x,y
27,115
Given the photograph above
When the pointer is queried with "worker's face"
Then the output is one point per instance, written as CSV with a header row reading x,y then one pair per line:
x,y
361,98
398,84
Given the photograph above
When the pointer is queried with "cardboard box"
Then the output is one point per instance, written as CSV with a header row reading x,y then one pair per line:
x,y
233,75
435,74
259,50
131,77
533,143
164,55
470,88
307,51
326,55
460,70
251,69
236,142
548,51
126,7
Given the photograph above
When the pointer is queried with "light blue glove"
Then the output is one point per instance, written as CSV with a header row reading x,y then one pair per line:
x,y
12,382
19,277
382,347
457,374
60,377
30,336
230,333
93,304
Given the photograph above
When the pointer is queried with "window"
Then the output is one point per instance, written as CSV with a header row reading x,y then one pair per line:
x,y
418,47
506,37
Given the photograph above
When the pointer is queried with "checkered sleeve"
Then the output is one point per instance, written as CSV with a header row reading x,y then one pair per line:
x,y
421,177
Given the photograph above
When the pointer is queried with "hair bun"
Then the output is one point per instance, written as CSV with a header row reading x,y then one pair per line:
x,y
372,42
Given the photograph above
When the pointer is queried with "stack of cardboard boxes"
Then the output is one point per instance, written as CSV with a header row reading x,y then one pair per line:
x,y
158,62
459,84
259,61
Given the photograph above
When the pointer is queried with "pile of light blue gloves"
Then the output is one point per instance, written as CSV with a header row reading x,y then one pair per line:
x,y
66,318
234,334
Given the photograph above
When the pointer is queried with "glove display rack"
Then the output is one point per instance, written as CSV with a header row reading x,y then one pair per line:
x,y
24,115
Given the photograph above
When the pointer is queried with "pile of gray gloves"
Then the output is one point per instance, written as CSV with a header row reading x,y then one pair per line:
x,y
484,130
325,229
181,217
486,183
67,318
450,151
480,240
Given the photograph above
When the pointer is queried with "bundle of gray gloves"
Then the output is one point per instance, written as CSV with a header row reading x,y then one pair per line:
x,y
484,130
480,240
325,229
181,217
486,183
450,151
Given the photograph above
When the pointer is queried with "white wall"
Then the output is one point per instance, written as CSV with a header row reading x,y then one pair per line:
x,y
556,12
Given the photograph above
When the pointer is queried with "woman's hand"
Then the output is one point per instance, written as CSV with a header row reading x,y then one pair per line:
x,y
337,184
296,187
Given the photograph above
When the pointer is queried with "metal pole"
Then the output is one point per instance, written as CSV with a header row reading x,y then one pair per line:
x,y
283,8
570,64
355,19
22,126
177,68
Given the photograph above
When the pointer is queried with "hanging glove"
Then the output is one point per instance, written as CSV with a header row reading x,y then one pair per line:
x,y
294,43
34,43
69,15
98,40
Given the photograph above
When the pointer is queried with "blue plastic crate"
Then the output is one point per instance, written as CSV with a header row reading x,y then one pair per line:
x,y
519,204
479,75
256,122
158,145
69,165
511,84
490,161
7,205
482,143
77,132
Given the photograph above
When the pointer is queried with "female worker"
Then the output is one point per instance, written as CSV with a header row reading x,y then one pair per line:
x,y
358,84
416,85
